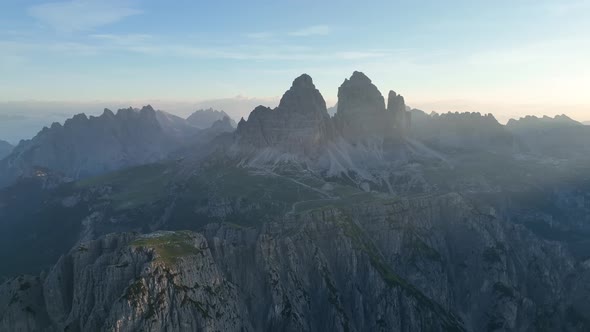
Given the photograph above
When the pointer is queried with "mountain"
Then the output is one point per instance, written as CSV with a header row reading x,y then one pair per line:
x,y
204,118
332,110
300,131
85,146
5,149
375,219
299,125
557,137
460,131
175,126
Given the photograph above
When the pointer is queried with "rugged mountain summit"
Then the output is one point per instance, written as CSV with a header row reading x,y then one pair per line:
x,y
402,118
85,146
460,131
365,221
559,137
5,149
361,112
299,125
301,130
204,118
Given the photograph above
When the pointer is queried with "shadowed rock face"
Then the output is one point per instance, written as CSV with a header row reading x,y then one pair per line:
x,y
397,106
361,111
300,124
85,146
432,263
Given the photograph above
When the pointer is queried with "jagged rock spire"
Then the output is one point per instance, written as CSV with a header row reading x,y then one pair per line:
x,y
303,97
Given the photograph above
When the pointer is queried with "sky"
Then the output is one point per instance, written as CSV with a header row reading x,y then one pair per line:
x,y
509,58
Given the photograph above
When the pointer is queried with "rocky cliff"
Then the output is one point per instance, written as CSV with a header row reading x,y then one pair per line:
x,y
299,125
85,146
558,137
300,131
421,264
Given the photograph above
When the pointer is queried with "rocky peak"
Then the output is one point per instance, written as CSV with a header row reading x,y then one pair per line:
x,y
76,120
205,118
108,113
148,109
303,97
297,125
395,102
361,112
359,95
397,106
86,146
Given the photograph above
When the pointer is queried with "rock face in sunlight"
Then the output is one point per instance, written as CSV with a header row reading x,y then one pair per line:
x,y
5,149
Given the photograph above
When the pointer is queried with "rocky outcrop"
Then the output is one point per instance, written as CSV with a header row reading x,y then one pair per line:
x,y
557,137
175,126
85,146
205,118
5,149
430,263
361,112
300,129
402,118
299,125
461,131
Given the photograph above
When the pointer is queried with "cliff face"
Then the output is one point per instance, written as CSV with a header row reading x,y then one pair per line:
x,y
299,125
300,130
421,264
361,111
83,146
461,132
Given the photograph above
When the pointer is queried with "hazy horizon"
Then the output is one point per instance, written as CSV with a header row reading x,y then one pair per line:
x,y
506,58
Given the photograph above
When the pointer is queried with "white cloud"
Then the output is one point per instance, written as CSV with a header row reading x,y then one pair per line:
x,y
316,30
78,15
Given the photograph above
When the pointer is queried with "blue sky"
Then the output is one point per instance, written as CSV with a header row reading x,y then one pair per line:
x,y
507,57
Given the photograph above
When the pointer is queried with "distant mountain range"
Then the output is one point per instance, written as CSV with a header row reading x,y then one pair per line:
x,y
205,118
373,217
86,146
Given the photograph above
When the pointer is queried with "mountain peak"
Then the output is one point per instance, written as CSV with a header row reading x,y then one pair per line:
x,y
147,108
360,77
205,118
108,113
358,95
303,97
303,81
